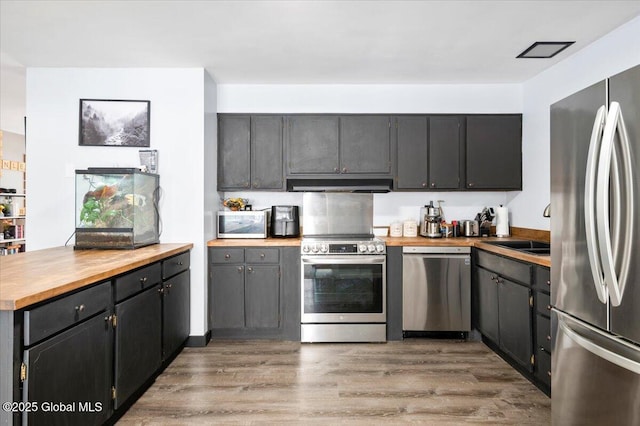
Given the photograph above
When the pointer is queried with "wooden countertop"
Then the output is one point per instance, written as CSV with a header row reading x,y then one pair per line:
x,y
255,242
35,276
479,242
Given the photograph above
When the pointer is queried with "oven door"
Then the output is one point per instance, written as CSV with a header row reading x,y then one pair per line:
x,y
344,289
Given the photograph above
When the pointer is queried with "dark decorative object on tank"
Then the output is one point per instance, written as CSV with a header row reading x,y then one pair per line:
x,y
114,123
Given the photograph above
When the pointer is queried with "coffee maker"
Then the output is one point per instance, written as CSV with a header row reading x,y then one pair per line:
x,y
285,221
430,218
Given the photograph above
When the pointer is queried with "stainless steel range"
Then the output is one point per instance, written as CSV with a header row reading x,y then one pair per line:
x,y
343,270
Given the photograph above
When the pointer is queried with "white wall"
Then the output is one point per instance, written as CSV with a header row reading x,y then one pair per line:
x,y
615,52
177,132
471,98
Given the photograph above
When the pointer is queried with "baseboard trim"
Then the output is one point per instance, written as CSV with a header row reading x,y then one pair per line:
x,y
198,341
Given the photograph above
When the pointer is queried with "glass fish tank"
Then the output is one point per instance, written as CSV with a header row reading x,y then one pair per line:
x,y
116,208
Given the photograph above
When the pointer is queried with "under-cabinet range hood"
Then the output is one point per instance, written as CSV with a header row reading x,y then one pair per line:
x,y
339,185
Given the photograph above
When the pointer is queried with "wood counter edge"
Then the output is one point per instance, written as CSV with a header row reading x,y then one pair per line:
x,y
43,295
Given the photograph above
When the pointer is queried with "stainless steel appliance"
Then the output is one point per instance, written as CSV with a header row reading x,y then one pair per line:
x,y
285,221
470,228
430,219
343,282
436,289
243,224
595,254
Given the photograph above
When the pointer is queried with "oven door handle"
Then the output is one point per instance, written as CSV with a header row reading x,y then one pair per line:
x,y
344,260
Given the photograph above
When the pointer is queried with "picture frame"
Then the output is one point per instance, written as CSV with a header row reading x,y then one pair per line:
x,y
114,122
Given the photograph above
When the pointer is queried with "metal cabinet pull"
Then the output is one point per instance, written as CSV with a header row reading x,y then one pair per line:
x,y
240,268
227,256
262,255
250,269
79,308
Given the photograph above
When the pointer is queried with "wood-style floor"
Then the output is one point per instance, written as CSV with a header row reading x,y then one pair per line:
x,y
421,381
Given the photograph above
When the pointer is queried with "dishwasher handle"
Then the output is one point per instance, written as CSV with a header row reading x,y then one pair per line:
x,y
437,250
439,256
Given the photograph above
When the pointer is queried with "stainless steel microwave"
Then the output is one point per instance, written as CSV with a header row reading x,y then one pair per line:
x,y
243,224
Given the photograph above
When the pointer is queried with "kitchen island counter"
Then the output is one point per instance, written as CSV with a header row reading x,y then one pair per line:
x,y
36,276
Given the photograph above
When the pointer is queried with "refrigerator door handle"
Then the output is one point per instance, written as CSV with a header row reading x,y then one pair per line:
x,y
616,283
590,206
597,350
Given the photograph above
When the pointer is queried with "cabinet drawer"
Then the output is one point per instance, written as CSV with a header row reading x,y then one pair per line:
x,y
543,279
543,303
175,265
505,267
48,319
136,281
262,255
227,255
543,366
543,332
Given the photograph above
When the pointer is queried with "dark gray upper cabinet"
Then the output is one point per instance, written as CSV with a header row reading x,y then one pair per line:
x,y
250,152
312,145
445,138
234,154
365,144
428,152
266,152
332,144
494,152
412,146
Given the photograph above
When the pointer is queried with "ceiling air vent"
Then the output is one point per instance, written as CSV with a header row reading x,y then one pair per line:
x,y
545,49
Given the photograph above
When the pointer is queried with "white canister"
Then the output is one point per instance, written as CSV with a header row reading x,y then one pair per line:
x,y
410,228
395,229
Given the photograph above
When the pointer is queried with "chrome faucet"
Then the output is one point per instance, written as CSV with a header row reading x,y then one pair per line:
x,y
547,211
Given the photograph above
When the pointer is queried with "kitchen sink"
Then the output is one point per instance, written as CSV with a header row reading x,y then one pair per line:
x,y
526,246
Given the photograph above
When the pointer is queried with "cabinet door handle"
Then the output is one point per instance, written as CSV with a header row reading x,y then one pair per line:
x,y
494,278
424,184
548,337
143,280
250,269
240,268
549,283
337,170
262,255
227,256
80,308
470,185
433,184
344,170
548,307
180,263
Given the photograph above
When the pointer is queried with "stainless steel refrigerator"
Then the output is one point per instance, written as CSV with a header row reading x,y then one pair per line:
x,y
595,254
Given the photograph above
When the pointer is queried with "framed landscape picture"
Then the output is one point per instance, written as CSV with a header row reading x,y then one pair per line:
x,y
114,123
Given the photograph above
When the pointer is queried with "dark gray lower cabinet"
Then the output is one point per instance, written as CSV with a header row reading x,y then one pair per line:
x,y
503,306
254,292
486,300
262,296
175,313
138,342
514,313
73,371
227,295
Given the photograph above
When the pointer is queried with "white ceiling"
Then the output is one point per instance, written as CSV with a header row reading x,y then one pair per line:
x,y
305,42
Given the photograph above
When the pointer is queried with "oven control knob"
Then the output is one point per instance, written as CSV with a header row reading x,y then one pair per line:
x,y
371,248
379,248
324,248
362,248
305,249
314,248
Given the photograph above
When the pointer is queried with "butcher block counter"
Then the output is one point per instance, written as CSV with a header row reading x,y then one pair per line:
x,y
32,277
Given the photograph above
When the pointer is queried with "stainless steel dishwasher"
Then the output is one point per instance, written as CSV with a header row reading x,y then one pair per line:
x,y
436,289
